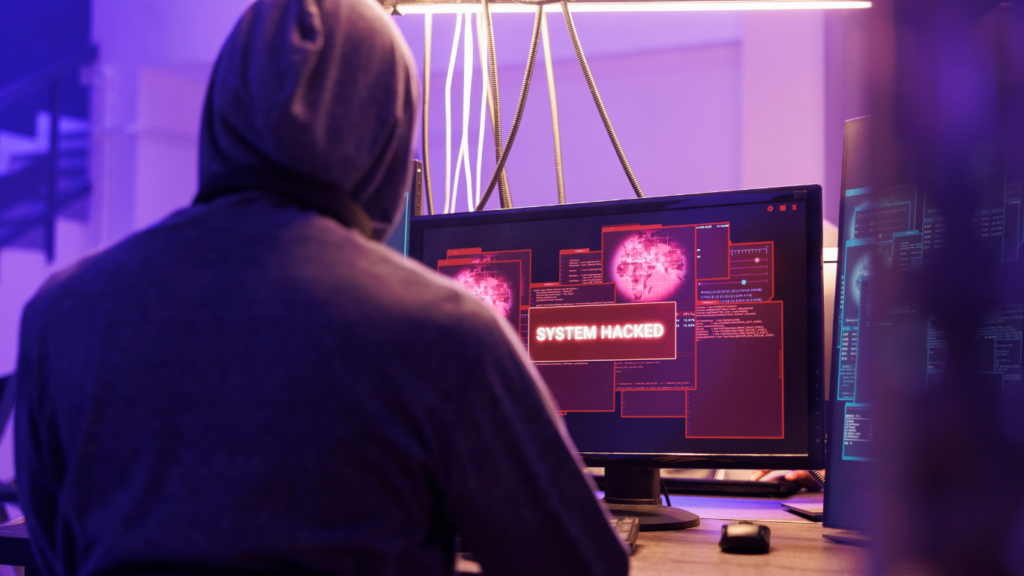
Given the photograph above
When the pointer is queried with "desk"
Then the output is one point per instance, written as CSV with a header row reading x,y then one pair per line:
x,y
796,548
797,545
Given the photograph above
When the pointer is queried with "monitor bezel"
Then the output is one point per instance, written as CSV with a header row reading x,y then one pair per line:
x,y
810,194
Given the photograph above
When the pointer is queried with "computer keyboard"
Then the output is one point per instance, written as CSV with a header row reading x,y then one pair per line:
x,y
708,487
628,528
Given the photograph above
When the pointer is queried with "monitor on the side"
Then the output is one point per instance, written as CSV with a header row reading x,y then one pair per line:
x,y
681,331
851,421
894,232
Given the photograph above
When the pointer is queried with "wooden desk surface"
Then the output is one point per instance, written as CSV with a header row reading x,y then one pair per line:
x,y
796,548
797,545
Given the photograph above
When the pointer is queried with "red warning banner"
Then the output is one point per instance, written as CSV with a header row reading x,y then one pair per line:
x,y
644,331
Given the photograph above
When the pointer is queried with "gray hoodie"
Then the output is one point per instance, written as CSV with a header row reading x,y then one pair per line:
x,y
257,385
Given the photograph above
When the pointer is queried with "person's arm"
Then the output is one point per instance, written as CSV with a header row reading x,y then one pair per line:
x,y
515,488
801,477
37,455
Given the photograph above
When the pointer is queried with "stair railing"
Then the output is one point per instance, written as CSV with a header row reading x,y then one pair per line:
x,y
49,76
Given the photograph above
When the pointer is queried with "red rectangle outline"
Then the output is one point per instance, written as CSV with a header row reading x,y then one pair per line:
x,y
559,285
477,251
628,227
577,251
622,407
453,262
464,261
615,382
782,379
728,245
582,411
460,251
552,285
675,348
770,299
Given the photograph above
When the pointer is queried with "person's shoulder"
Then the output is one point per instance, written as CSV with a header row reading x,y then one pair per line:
x,y
73,285
53,295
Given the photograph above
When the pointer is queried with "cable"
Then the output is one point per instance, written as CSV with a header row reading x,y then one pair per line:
x,y
485,70
428,33
492,61
597,100
664,490
486,93
524,92
817,477
548,65
483,106
467,99
448,114
467,86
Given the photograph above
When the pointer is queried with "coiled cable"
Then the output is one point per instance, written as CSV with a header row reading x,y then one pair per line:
x,y
597,98
549,67
534,42
492,60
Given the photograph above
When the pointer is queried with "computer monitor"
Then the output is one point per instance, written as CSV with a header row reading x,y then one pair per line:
x,y
673,332
849,461
895,232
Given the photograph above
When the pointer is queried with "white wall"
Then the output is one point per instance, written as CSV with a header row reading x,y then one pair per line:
x,y
700,102
783,94
154,57
167,140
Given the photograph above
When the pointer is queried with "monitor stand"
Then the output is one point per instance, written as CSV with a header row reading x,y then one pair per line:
x,y
636,491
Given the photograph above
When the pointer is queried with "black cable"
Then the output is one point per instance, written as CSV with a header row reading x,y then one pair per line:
x,y
597,100
817,477
534,42
664,490
428,40
492,59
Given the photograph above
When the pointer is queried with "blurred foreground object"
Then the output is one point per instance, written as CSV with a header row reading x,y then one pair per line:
x,y
948,112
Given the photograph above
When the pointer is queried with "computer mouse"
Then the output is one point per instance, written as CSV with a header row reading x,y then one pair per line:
x,y
745,538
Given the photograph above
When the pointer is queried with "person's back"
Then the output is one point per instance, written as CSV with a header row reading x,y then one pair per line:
x,y
256,386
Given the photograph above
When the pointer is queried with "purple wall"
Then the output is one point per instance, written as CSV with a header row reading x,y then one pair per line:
x,y
700,101
680,130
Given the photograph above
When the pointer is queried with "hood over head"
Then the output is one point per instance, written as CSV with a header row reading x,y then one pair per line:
x,y
315,100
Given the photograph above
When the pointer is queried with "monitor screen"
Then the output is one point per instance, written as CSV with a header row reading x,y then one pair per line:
x,y
895,230
680,331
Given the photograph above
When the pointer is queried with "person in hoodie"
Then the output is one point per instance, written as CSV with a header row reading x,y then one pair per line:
x,y
257,385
